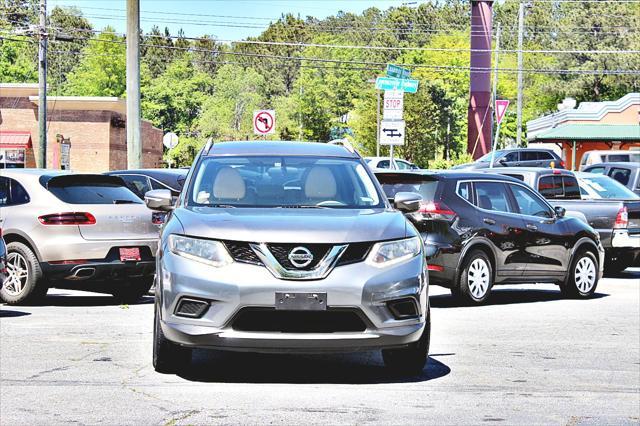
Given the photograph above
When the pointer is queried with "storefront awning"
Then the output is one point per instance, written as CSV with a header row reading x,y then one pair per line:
x,y
11,139
590,132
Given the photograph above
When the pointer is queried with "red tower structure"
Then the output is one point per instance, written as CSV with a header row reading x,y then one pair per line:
x,y
479,114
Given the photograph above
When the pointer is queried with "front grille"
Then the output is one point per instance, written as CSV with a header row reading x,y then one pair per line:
x,y
356,252
281,253
242,252
271,320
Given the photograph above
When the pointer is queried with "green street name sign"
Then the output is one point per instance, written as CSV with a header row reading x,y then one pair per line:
x,y
390,83
397,72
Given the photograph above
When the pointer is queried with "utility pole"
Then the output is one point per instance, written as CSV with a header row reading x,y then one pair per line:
x,y
42,87
496,57
520,65
134,142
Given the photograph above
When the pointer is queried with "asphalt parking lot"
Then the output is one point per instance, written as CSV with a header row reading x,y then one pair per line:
x,y
528,357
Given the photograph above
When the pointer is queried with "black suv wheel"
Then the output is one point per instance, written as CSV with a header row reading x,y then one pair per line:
x,y
583,276
476,278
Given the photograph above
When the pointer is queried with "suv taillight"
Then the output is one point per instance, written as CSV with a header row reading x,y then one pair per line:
x,y
73,218
436,210
622,219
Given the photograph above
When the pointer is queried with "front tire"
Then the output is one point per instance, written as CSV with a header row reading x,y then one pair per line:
x,y
476,278
410,361
583,278
25,283
168,357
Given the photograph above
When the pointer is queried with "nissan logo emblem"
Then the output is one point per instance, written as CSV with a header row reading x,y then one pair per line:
x,y
300,257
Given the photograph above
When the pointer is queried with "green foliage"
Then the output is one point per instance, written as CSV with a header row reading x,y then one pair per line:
x,y
173,100
441,163
17,64
102,70
228,113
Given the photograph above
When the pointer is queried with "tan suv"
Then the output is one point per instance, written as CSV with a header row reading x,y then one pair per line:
x,y
88,232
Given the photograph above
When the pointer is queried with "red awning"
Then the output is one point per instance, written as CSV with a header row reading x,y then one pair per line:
x,y
11,139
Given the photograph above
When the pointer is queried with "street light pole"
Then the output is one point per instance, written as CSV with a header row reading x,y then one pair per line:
x,y
42,87
134,142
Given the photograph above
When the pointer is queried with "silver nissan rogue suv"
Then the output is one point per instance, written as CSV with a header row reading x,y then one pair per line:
x,y
288,247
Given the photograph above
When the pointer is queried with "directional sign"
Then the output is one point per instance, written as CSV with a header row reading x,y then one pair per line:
x,y
397,72
389,83
170,140
393,105
501,108
264,122
391,132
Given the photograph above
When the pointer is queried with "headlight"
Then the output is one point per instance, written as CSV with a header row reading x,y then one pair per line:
x,y
392,252
212,253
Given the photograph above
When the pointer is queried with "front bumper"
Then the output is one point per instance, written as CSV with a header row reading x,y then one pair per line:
x,y
357,287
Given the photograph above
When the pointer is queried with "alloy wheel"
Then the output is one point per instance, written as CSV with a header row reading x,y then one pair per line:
x,y
585,274
18,276
478,278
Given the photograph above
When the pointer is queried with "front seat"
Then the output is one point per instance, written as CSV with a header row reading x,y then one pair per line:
x,y
229,185
485,202
320,185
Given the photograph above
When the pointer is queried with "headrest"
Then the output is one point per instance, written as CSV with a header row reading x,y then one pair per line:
x,y
229,185
320,183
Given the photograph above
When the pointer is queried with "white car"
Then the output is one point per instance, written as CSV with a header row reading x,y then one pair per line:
x,y
385,163
596,157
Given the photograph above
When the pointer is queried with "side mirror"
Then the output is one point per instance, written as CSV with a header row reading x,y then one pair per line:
x,y
407,202
502,161
560,211
159,199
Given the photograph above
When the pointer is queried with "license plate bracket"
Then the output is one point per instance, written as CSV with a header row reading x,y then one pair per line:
x,y
309,301
130,254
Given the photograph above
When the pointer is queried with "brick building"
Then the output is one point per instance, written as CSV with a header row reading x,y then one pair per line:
x,y
591,126
94,127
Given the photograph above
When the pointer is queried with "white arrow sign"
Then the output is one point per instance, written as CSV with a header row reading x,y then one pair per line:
x,y
391,132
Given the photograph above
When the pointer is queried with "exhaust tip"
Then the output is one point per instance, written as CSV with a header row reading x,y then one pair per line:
x,y
82,274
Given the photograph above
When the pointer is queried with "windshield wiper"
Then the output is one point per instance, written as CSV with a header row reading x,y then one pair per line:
x,y
302,206
222,206
124,202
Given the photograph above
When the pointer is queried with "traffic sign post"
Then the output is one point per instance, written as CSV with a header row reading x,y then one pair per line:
x,y
264,122
500,109
393,105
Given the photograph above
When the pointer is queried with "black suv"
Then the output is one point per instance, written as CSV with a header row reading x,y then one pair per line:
x,y
481,229
517,157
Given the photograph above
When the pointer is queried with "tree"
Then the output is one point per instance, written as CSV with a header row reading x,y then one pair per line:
x,y
157,50
17,63
69,34
228,113
102,70
173,101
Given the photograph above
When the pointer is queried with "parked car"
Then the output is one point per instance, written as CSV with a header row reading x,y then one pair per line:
x,y
610,208
74,230
3,261
288,247
611,156
385,163
628,174
516,157
483,229
142,181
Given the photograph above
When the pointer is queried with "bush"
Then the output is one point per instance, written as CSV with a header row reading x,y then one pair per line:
x,y
441,163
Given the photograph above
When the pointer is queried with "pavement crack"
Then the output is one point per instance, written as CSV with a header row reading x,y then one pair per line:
x,y
53,370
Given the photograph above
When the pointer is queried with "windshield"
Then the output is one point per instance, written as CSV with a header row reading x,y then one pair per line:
x,y
487,157
283,181
599,186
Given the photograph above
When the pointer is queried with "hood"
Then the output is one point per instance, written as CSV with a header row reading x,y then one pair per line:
x,y
290,225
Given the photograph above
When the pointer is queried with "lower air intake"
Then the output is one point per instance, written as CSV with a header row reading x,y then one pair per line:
x,y
191,308
270,320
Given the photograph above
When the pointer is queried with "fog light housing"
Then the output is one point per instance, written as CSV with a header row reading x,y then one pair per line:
x,y
191,308
405,308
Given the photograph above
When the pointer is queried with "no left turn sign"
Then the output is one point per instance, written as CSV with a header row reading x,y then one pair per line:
x,y
264,122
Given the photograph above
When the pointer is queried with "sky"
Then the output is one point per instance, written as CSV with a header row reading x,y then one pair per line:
x,y
224,19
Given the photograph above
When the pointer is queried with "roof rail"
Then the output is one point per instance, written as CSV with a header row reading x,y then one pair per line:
x,y
345,143
207,146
